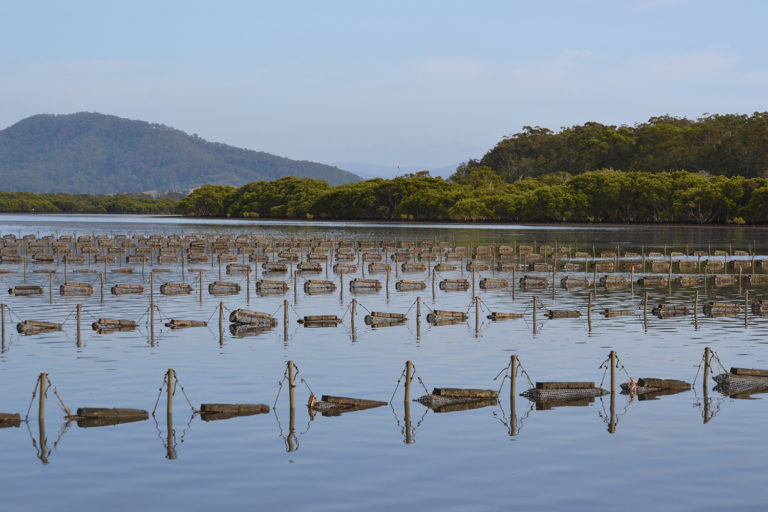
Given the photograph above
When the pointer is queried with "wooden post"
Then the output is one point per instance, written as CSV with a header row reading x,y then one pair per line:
x,y
295,287
248,285
594,276
669,278
554,275
171,449
341,286
589,312
200,284
152,288
285,320
612,425
352,317
705,280
645,312
43,387
291,385
101,282
407,414
696,311
746,309
221,323
25,265
513,395
171,389
739,279
50,287
143,264
534,314
418,317
2,328
514,280
79,317
408,379
477,316
387,280
433,287
65,268
473,281
632,280
707,359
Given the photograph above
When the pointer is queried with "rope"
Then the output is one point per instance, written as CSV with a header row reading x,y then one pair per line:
x,y
523,372
415,374
176,378
396,386
32,400
365,308
280,387
61,402
302,379
159,393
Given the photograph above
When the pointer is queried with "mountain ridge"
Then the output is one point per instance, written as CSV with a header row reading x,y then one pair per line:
x,y
95,153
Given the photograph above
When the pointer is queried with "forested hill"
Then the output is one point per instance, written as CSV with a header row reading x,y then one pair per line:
x,y
88,153
730,144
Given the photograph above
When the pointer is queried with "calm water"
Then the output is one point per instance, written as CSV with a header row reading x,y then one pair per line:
x,y
663,455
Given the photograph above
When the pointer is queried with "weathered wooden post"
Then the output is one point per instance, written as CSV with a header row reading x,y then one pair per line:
x,y
285,320
534,314
292,385
408,379
221,323
352,315
746,309
200,285
514,279
707,359
65,268
632,280
79,316
433,287
101,283
513,395
2,327
43,379
248,285
645,312
739,279
696,311
612,425
341,286
589,312
418,317
473,281
171,449
554,275
295,288
50,287
477,316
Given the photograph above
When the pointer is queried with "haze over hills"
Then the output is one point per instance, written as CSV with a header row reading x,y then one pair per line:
x,y
368,171
90,153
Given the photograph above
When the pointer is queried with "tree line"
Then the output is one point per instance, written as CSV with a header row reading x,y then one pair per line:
x,y
29,202
722,144
480,194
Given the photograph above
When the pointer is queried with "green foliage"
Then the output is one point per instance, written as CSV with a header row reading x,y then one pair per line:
x,y
27,202
477,194
731,145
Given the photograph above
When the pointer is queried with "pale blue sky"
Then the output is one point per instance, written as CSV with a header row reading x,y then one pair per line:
x,y
413,83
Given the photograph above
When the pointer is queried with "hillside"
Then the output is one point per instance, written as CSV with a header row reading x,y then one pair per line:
x,y
719,144
88,153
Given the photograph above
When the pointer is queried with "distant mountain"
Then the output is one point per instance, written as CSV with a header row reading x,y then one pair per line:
x,y
92,153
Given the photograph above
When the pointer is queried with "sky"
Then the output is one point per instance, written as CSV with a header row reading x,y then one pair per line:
x,y
382,84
